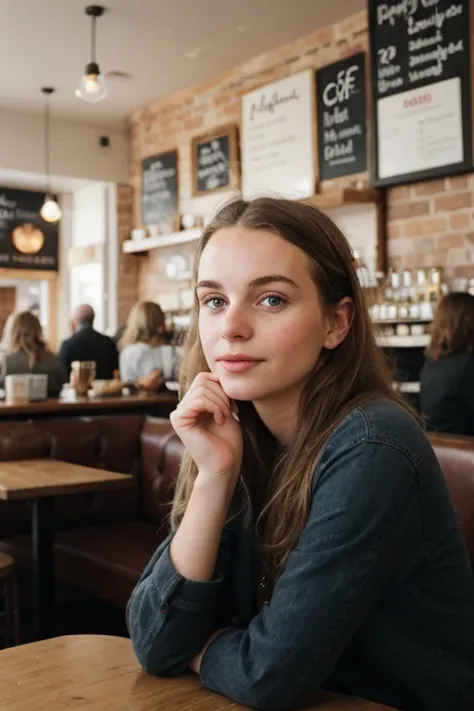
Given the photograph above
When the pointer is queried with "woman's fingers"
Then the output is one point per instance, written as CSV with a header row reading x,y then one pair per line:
x,y
200,402
208,383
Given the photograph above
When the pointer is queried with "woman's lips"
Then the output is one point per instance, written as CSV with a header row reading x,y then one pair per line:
x,y
239,366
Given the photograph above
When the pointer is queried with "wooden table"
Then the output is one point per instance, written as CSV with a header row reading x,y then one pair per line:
x,y
161,404
40,480
101,673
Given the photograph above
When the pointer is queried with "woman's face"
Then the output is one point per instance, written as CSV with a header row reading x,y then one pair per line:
x,y
261,323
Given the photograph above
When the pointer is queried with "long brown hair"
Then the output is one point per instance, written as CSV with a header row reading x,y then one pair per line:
x,y
145,324
27,336
452,330
342,378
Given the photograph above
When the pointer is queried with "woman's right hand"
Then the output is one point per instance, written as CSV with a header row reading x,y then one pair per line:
x,y
205,424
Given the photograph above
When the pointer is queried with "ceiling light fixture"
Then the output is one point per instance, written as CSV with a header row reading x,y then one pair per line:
x,y
92,86
50,210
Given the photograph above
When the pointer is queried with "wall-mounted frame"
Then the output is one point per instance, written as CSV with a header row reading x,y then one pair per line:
x,y
421,90
160,189
215,161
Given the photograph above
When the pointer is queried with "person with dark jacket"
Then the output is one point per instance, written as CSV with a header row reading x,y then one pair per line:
x,y
88,344
447,376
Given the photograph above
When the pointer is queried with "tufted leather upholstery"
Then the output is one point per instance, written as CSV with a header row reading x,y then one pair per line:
x,y
456,457
103,540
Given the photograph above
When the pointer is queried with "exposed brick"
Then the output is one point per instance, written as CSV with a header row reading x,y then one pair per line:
x,y
447,202
430,188
460,220
458,183
393,230
409,209
424,244
450,241
194,123
399,194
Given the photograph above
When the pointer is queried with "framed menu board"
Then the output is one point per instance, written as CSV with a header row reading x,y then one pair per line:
x,y
277,139
26,240
215,161
160,189
421,83
342,118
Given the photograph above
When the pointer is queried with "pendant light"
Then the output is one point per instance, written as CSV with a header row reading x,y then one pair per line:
x,y
50,210
92,86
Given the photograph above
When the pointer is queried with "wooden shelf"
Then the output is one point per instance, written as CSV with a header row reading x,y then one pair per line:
x,y
325,200
132,246
343,196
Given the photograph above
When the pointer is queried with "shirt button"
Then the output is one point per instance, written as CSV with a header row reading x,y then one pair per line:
x,y
163,608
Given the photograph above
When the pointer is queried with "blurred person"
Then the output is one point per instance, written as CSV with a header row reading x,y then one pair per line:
x,y
145,358
30,354
447,376
87,344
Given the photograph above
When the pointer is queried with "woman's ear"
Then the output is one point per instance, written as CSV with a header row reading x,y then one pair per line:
x,y
339,323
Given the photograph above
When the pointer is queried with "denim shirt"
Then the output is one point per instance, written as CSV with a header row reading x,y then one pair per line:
x,y
376,599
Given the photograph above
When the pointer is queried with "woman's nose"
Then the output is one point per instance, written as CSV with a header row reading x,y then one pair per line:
x,y
236,324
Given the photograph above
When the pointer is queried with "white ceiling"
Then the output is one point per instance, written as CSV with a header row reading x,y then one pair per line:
x,y
165,45
36,181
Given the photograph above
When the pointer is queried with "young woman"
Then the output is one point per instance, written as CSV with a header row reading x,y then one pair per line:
x,y
144,357
314,543
447,376
30,354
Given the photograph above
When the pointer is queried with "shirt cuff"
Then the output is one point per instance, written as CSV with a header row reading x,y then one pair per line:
x,y
175,590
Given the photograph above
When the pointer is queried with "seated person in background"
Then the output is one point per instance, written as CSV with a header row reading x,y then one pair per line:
x,y
447,377
88,344
30,354
144,357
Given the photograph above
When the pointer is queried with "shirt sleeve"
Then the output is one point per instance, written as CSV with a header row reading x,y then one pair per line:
x,y
362,500
171,618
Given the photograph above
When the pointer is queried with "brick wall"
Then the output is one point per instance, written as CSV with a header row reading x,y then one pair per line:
x,y
421,229
128,264
432,224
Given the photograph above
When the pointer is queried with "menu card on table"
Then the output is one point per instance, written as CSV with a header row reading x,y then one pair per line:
x,y
421,83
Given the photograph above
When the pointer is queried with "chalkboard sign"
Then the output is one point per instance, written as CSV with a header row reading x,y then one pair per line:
x,y
160,189
26,240
215,161
342,119
421,83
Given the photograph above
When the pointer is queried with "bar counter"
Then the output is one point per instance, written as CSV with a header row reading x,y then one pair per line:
x,y
159,405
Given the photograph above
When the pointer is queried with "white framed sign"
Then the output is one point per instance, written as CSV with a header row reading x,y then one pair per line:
x,y
420,129
277,139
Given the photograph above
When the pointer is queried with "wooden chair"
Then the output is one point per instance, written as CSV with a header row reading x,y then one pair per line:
x,y
9,623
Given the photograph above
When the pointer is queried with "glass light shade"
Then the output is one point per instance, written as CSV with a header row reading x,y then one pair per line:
x,y
92,87
50,210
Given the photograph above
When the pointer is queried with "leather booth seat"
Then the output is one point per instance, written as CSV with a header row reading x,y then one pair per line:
x,y
456,457
104,540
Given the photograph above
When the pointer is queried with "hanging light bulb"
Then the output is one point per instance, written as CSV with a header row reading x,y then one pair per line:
x,y
50,210
92,86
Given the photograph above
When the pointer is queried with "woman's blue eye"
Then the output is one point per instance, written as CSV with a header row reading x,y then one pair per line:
x,y
215,302
274,301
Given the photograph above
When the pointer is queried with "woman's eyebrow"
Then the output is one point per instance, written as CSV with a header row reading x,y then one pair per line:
x,y
259,281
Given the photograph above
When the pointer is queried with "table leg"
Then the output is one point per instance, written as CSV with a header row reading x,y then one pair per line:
x,y
43,574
